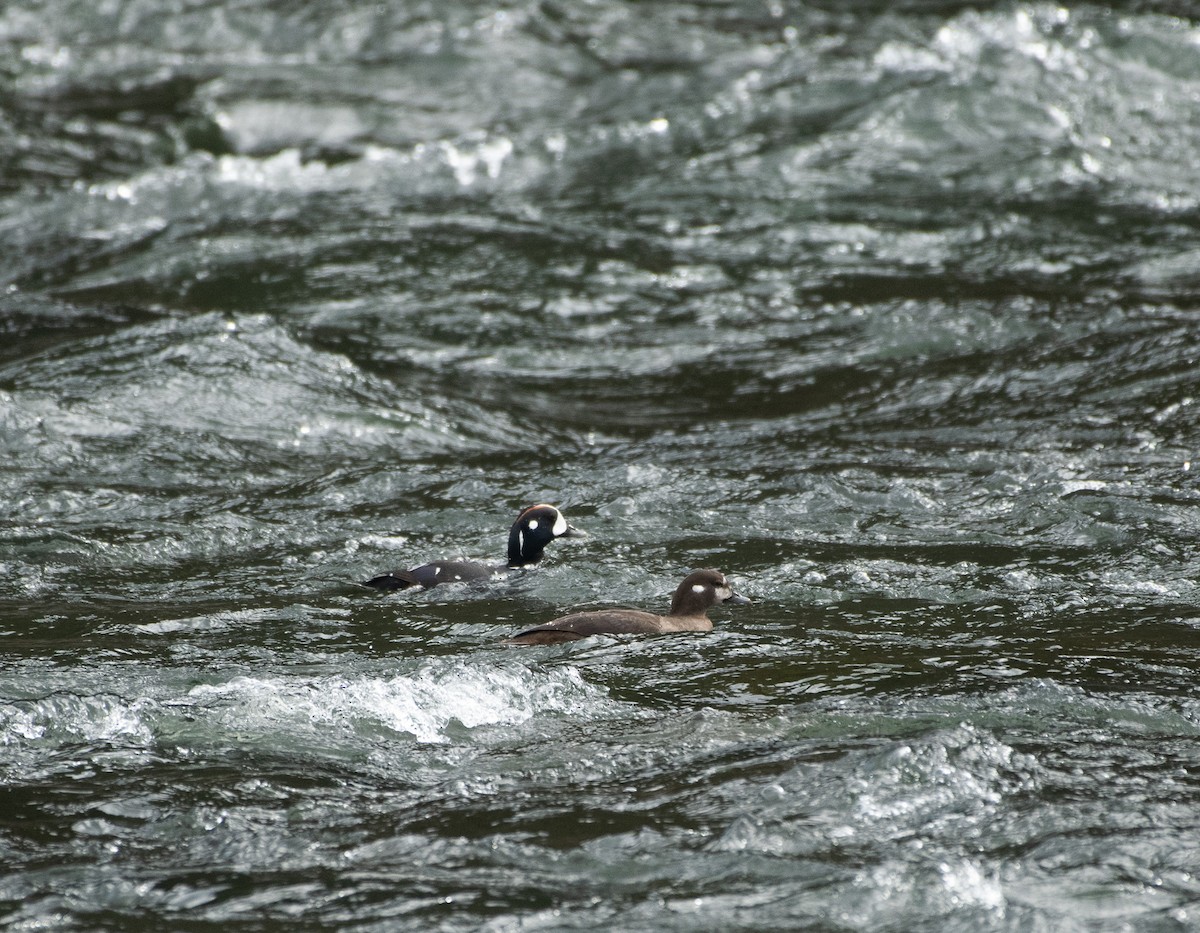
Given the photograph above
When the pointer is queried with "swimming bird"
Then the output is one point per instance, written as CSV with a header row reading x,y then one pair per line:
x,y
534,528
699,591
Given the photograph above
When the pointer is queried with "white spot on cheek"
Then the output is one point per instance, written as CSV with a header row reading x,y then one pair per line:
x,y
533,523
560,525
697,588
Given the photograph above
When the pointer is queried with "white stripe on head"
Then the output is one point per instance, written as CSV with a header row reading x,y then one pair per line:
x,y
560,524
520,542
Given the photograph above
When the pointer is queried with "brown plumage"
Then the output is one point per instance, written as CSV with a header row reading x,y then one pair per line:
x,y
699,591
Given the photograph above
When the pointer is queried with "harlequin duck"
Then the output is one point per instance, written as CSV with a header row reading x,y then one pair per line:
x,y
699,590
534,528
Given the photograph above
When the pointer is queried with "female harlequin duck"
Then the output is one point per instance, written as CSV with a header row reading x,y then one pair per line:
x,y
699,591
534,528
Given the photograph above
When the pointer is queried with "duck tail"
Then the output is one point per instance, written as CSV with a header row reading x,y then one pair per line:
x,y
396,580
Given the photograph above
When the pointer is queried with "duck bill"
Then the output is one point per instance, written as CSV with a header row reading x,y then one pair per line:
x,y
573,532
738,599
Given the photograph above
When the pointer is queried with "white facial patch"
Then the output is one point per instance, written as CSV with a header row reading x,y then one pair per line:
x,y
560,524
698,587
725,593
533,523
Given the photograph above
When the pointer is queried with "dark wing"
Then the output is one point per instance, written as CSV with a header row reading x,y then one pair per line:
x,y
431,575
541,636
396,580
582,624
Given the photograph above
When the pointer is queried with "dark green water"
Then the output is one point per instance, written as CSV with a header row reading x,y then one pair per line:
x,y
887,311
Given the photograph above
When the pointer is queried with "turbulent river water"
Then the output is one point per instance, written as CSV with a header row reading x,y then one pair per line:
x,y
886,310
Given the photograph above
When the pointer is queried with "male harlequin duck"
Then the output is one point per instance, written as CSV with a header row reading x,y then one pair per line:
x,y
534,528
699,591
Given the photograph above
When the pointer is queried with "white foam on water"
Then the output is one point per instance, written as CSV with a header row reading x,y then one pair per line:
x,y
957,775
468,161
936,774
221,621
426,704
103,718
967,884
885,894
